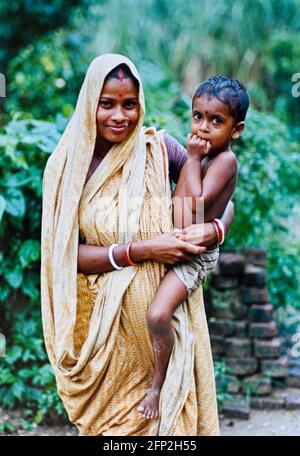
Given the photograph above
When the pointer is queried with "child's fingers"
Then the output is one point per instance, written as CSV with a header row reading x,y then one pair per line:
x,y
196,249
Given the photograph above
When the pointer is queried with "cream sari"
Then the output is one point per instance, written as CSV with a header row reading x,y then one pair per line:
x,y
95,325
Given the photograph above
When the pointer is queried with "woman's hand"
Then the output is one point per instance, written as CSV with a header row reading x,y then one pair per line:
x,y
202,234
167,248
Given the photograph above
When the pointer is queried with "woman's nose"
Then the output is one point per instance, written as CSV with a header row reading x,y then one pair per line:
x,y
118,115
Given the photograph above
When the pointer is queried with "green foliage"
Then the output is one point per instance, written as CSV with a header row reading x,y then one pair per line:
x,y
282,60
56,77
266,194
24,21
7,427
26,379
222,377
23,151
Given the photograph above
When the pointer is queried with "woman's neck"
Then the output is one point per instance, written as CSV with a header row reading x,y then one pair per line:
x,y
102,146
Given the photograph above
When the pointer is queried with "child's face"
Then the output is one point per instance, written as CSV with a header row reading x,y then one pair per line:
x,y
212,121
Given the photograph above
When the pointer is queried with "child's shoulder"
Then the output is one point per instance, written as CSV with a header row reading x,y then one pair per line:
x,y
225,160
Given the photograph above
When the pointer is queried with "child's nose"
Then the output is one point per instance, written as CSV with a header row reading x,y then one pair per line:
x,y
203,126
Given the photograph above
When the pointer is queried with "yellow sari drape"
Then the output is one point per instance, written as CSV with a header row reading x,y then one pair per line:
x,y
95,325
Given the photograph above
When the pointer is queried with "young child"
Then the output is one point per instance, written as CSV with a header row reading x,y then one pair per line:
x,y
206,180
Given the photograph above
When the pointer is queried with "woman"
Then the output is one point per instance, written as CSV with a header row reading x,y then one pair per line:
x,y
107,183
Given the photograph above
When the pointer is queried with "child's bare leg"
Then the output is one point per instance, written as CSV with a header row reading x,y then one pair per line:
x,y
169,295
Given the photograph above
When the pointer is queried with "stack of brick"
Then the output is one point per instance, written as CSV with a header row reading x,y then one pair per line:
x,y
243,331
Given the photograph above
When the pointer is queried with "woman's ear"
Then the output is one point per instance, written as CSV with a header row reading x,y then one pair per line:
x,y
238,130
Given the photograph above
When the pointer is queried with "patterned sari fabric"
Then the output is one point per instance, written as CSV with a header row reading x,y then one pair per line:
x,y
95,326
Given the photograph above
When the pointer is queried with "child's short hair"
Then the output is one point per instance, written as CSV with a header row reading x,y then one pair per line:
x,y
229,91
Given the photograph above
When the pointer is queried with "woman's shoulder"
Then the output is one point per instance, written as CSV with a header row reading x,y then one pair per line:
x,y
176,154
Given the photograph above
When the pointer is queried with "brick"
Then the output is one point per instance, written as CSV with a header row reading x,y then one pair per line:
x,y
257,385
232,264
222,303
254,295
263,330
236,407
221,282
267,403
267,348
217,345
254,277
223,312
240,328
292,402
233,385
241,366
239,310
293,378
275,368
255,256
221,327
238,348
261,314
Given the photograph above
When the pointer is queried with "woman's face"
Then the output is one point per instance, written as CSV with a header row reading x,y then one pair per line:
x,y
118,110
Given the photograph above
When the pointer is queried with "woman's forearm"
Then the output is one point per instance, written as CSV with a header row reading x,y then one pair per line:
x,y
163,248
94,259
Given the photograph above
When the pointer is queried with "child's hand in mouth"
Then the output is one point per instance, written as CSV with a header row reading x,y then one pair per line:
x,y
197,147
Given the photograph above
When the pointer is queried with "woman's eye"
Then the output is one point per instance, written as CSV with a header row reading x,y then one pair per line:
x,y
130,104
105,104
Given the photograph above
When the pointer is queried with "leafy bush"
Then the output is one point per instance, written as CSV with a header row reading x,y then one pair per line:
x,y
26,378
44,78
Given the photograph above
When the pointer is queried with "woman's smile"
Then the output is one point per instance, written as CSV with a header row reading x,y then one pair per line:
x,y
117,128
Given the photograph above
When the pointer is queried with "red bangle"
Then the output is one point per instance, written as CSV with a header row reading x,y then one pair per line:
x,y
221,232
216,229
127,258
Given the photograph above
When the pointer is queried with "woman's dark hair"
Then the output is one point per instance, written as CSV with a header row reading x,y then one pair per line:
x,y
229,91
121,72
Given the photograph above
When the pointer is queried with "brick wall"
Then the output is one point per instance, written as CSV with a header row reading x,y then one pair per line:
x,y
244,332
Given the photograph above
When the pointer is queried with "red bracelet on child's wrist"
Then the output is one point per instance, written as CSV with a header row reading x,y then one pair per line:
x,y
221,232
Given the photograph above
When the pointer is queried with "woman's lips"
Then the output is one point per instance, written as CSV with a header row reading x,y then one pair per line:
x,y
118,129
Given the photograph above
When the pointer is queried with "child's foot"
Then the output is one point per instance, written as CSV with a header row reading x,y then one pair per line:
x,y
149,407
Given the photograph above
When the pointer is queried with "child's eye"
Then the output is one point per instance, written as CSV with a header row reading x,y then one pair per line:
x,y
197,115
217,120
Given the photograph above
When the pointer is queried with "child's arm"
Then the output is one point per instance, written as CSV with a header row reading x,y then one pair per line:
x,y
212,191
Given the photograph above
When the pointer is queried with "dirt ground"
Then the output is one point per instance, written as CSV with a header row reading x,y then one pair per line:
x,y
261,423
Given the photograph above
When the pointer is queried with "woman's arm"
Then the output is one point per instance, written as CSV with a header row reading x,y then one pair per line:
x,y
165,248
